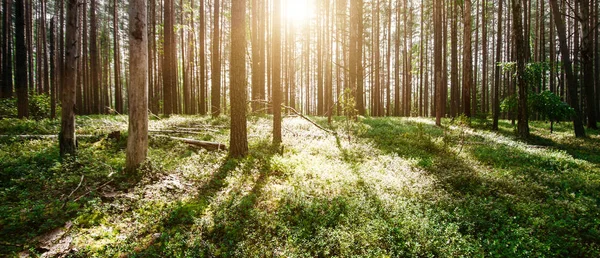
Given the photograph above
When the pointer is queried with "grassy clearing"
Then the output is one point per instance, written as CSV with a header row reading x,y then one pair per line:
x,y
383,187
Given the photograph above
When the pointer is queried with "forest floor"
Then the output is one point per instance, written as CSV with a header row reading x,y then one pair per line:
x,y
380,187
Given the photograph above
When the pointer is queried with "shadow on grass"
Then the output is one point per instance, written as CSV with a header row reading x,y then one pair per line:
x,y
230,217
533,211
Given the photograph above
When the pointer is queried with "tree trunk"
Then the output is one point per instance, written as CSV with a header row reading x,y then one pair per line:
x,y
168,65
20,61
454,87
137,92
520,42
117,57
496,91
571,77
587,61
216,65
238,139
67,140
467,59
7,61
437,16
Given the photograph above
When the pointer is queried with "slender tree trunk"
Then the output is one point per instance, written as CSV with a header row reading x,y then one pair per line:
x,y
67,140
587,61
277,73
437,16
7,61
117,57
520,42
467,59
397,63
202,59
53,70
496,91
484,43
571,77
137,90
21,61
454,87
238,136
216,65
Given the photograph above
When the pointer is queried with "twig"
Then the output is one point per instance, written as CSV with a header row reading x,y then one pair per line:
x,y
88,192
308,119
72,192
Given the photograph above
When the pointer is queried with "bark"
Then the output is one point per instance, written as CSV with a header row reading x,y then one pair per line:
x,y
467,60
117,59
566,60
7,81
96,83
67,140
496,91
454,87
168,64
438,60
587,61
484,75
137,92
238,139
216,65
520,42
277,74
20,61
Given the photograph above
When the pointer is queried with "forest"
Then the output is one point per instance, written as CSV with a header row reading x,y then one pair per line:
x,y
300,128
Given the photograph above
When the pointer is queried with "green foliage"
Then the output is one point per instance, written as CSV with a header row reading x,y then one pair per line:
x,y
509,104
39,107
8,108
550,107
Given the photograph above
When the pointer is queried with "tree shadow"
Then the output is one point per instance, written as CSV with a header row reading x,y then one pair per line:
x,y
230,217
527,212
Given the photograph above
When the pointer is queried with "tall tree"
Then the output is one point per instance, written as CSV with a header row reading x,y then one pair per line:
x,y
96,83
137,92
7,81
277,73
520,42
117,57
438,60
168,65
67,140
566,61
238,138
20,60
216,64
496,91
454,87
587,60
467,60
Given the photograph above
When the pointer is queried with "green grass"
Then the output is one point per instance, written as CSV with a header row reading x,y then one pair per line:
x,y
382,187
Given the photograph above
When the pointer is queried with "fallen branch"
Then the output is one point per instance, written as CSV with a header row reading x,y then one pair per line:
x,y
173,131
202,144
308,119
96,189
75,190
42,136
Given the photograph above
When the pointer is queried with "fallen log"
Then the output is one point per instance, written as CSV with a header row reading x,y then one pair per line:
x,y
43,136
173,131
197,143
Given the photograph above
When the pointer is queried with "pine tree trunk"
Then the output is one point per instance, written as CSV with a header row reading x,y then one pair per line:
x,y
216,65
168,64
587,61
21,61
520,42
454,87
238,136
67,140
467,59
137,90
437,16
496,91
7,81
117,59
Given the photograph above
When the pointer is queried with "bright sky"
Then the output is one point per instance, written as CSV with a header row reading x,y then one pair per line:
x,y
298,11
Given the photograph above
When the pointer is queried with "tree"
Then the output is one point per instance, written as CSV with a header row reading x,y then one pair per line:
x,y
277,73
169,65
238,138
566,61
215,77
520,42
94,61
20,61
587,60
67,140
467,60
454,88
137,92
117,57
7,82
496,91
437,16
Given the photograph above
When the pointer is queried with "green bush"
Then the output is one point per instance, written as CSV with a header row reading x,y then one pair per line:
x,y
39,107
8,108
550,107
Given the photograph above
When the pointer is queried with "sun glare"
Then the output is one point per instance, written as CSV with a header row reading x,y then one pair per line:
x,y
297,11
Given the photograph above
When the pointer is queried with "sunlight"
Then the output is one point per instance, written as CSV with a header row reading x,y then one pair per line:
x,y
297,11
